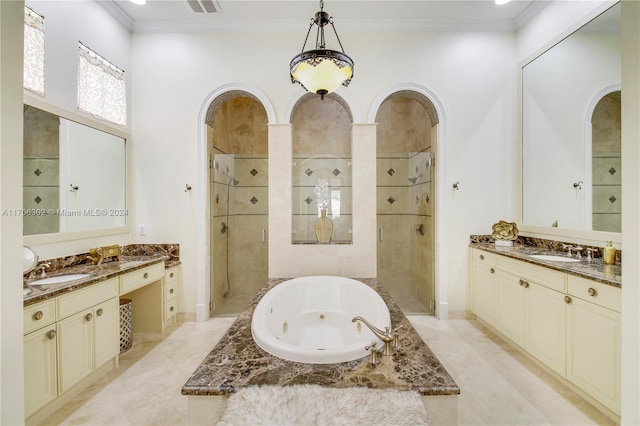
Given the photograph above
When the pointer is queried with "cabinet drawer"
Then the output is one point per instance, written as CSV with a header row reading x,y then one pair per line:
x,y
171,274
550,278
39,315
170,308
141,277
170,289
79,300
592,291
483,257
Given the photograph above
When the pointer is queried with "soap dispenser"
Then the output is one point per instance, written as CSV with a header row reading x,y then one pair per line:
x,y
609,254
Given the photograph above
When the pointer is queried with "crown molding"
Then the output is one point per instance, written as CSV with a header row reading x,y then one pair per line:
x,y
118,14
532,10
249,26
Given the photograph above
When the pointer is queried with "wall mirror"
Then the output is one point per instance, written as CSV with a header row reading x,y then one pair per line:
x,y
571,156
74,178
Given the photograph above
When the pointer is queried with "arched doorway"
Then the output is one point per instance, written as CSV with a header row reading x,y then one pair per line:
x,y
237,150
406,135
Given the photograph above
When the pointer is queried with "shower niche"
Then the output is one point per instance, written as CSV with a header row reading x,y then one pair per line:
x,y
321,170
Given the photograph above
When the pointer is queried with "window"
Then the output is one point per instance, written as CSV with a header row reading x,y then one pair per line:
x,y
101,87
33,51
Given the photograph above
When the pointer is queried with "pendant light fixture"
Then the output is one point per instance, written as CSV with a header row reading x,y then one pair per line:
x,y
321,70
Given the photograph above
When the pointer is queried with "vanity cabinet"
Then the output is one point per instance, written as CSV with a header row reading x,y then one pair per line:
x,y
594,342
72,339
568,323
530,310
68,338
40,356
87,340
483,285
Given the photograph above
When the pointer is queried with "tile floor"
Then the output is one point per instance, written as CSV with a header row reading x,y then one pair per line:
x,y
499,385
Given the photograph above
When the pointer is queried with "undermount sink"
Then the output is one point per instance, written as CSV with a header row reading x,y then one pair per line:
x,y
59,279
554,258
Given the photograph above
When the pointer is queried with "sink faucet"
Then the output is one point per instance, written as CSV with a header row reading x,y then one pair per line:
x,y
386,336
570,249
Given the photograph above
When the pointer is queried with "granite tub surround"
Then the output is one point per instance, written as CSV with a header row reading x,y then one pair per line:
x,y
237,361
524,247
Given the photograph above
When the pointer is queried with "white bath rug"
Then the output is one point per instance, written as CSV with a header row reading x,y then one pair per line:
x,y
303,405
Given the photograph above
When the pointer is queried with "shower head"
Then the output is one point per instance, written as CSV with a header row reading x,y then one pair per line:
x,y
231,178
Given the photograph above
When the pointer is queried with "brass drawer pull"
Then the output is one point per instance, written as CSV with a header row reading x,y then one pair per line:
x,y
482,257
171,309
88,317
146,275
492,270
51,334
525,284
171,275
592,292
38,315
171,291
567,299
99,312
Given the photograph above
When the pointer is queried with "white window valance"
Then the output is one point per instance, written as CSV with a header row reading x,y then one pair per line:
x,y
33,51
101,87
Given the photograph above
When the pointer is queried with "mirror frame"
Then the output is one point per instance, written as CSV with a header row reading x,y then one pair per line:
x,y
596,238
33,240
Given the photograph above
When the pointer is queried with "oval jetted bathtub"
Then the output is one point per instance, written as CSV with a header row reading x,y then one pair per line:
x,y
308,319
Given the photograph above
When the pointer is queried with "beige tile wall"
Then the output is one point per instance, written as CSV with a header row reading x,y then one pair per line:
x,y
41,167
607,164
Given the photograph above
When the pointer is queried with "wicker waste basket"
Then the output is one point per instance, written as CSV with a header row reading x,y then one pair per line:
x,y
126,325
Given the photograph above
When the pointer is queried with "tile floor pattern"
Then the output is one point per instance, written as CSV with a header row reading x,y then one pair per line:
x,y
499,386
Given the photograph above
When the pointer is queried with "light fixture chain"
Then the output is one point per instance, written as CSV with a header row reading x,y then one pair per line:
x,y
336,33
307,37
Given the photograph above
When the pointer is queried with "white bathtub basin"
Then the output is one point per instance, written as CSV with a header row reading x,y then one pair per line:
x,y
554,258
308,319
59,279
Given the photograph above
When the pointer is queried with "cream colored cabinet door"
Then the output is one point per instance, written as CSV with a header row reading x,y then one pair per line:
x,y
482,277
593,351
40,369
106,331
545,326
75,348
510,306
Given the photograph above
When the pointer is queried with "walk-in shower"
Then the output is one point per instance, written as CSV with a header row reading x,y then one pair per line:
x,y
405,192
237,140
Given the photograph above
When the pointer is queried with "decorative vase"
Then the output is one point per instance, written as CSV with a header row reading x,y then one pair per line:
x,y
323,226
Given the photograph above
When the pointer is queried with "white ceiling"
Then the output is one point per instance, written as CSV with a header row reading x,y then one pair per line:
x,y
176,15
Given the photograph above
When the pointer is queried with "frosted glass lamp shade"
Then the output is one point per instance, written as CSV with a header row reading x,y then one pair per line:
x,y
322,71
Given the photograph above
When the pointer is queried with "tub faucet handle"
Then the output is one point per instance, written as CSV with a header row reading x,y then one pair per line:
x,y
396,340
374,356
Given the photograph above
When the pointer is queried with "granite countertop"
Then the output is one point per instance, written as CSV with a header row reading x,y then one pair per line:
x,y
594,270
97,273
236,361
